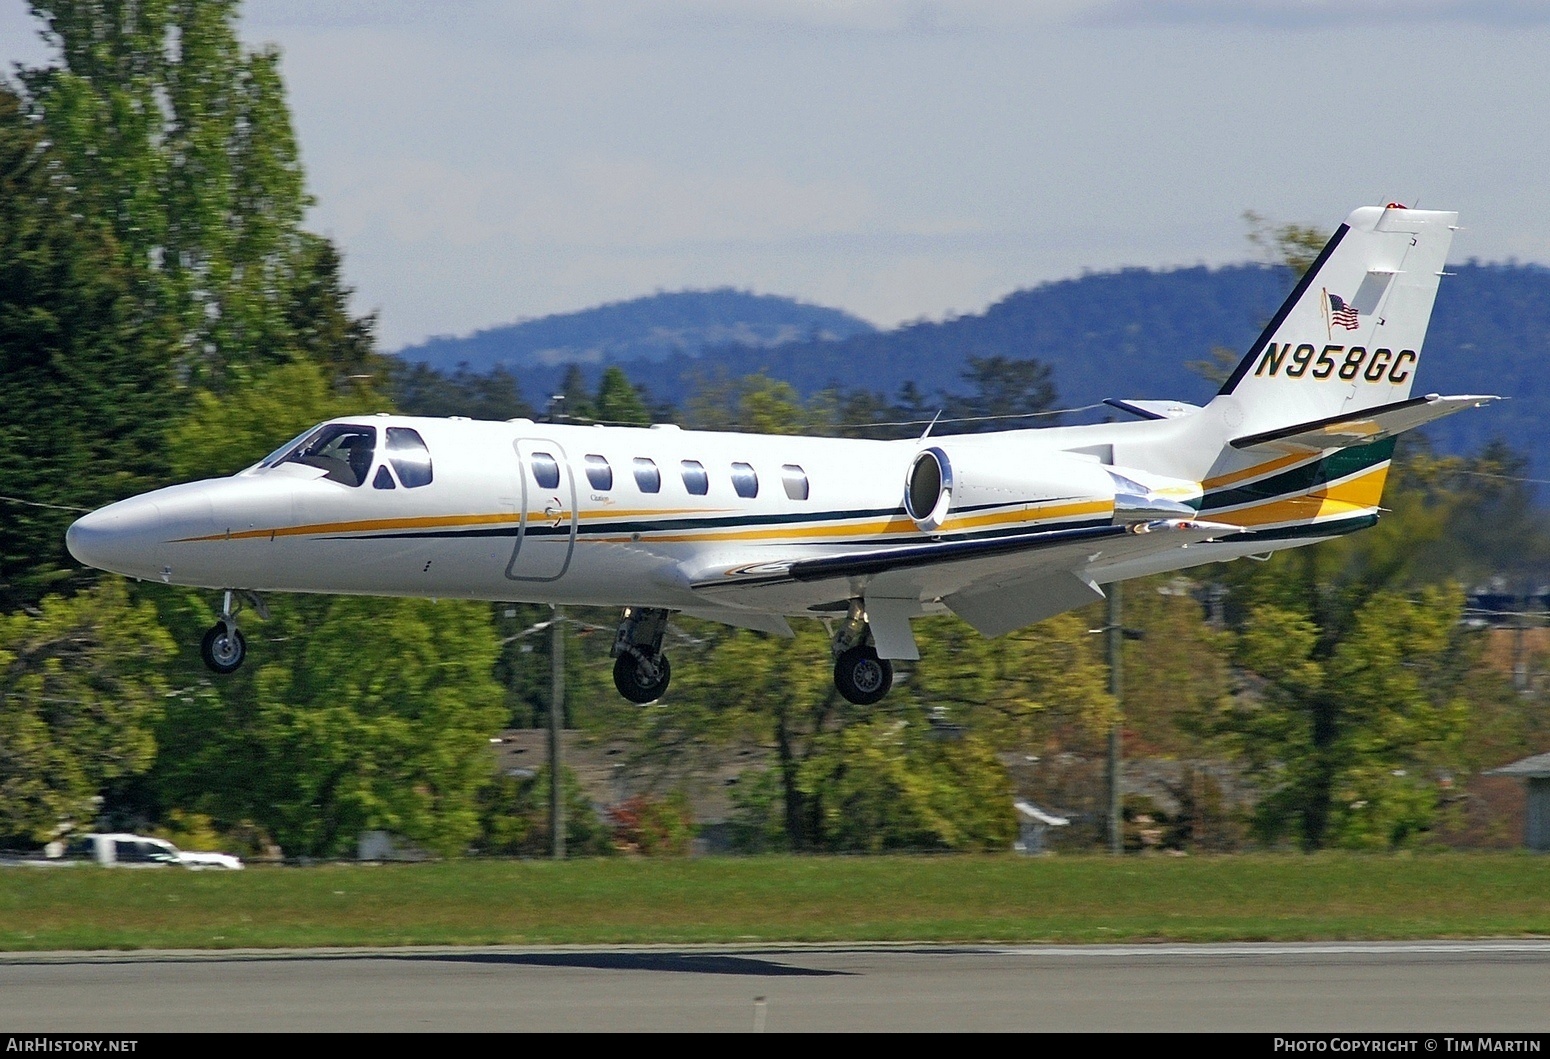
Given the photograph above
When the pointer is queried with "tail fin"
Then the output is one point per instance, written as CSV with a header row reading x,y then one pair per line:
x,y
1349,336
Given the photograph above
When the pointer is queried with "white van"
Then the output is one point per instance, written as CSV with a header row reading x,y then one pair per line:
x,y
139,851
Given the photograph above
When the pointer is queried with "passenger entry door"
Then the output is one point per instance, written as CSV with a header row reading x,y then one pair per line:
x,y
546,530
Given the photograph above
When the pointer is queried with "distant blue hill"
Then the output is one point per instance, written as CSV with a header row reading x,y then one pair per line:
x,y
652,329
1135,334
1131,334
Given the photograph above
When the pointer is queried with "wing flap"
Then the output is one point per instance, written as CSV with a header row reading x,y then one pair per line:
x,y
997,609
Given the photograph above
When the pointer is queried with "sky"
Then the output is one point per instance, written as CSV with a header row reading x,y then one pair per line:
x,y
480,161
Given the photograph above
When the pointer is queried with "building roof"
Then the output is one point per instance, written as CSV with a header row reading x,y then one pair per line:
x,y
1531,768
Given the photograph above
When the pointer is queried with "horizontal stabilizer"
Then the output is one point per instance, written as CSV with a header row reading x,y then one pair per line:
x,y
1360,428
1154,409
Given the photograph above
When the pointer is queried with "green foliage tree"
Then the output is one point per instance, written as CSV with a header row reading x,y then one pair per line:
x,y
420,390
361,714
618,402
181,140
1296,246
81,692
220,435
1349,736
1000,388
514,818
86,376
883,784
572,403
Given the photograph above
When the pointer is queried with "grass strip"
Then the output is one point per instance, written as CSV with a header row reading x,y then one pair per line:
x,y
1075,899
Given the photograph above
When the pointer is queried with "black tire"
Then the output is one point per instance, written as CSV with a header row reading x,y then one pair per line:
x,y
861,676
641,684
223,652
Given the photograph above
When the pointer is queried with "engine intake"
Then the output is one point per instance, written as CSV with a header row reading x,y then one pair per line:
x,y
928,489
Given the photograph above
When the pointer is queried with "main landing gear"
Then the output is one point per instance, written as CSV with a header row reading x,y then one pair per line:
x,y
641,671
224,647
859,675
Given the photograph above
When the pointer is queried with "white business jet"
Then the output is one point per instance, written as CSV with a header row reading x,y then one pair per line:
x,y
1002,529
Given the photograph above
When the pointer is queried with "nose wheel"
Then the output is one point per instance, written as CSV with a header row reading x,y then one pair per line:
x,y
223,648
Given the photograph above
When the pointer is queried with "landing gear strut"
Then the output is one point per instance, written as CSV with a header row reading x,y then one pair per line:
x,y
224,647
641,671
859,675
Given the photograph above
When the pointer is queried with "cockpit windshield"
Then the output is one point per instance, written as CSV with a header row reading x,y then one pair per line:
x,y
343,450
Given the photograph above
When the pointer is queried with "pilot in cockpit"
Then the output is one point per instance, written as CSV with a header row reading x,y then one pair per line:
x,y
357,452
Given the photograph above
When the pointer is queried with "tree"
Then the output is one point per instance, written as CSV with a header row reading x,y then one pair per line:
x,y
757,404
571,403
364,714
81,690
181,140
86,374
1350,737
618,402
420,390
1002,388
220,435
1296,246
514,818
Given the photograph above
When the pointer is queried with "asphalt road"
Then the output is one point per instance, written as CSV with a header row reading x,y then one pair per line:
x,y
1417,987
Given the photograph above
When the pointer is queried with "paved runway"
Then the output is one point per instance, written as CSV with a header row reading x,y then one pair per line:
x,y
1417,987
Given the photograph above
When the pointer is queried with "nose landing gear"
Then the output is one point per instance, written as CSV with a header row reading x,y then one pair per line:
x,y
641,671
224,647
859,675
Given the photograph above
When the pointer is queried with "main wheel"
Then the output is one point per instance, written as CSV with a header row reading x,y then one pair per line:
x,y
223,648
861,676
642,681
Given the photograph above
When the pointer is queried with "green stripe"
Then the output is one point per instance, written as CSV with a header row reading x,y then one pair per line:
x,y
1299,481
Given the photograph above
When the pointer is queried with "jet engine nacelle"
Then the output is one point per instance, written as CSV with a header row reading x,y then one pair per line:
x,y
941,484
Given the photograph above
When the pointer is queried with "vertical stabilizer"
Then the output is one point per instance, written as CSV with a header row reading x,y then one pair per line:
x,y
1349,336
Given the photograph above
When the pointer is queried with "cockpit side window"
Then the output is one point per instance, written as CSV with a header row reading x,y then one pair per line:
x,y
343,450
410,458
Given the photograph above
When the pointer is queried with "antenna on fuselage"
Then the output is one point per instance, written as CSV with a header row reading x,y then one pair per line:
x,y
926,433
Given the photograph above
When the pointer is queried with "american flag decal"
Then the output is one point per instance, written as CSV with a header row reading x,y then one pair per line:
x,y
1342,313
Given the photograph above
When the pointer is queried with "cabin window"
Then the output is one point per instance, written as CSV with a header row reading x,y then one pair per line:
x,y
794,479
745,481
647,477
695,478
599,473
410,458
342,451
546,471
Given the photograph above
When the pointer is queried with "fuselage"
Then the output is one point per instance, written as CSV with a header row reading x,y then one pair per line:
x,y
608,515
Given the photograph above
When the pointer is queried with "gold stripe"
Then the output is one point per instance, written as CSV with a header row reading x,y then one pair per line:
x,y
1358,493
897,525
361,526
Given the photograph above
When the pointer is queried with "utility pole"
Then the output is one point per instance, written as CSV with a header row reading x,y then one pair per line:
x,y
556,726
1116,632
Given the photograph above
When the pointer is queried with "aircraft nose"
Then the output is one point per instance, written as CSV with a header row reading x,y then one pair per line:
x,y
118,538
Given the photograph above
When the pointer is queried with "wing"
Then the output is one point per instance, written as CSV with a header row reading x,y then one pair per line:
x,y
996,584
